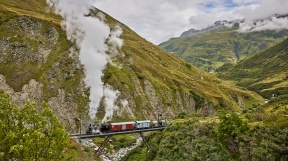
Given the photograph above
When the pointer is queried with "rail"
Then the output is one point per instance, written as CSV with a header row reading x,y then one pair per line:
x,y
86,136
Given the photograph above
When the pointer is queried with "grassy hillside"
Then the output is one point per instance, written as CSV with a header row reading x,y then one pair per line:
x,y
210,50
149,78
195,139
169,74
265,72
34,8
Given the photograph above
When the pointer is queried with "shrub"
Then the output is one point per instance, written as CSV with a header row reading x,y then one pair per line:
x,y
29,134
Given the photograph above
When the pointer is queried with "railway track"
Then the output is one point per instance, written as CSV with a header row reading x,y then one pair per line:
x,y
85,136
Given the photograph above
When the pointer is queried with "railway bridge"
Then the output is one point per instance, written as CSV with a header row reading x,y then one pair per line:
x,y
109,135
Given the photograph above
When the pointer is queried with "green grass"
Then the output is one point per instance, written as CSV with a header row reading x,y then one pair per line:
x,y
75,152
209,51
264,73
35,8
199,138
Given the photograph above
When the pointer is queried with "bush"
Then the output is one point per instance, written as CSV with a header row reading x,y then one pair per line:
x,y
26,134
229,128
181,115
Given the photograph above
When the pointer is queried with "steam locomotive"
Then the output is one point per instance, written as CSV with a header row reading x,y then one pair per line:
x,y
124,126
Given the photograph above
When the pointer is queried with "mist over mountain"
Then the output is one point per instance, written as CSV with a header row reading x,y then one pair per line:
x,y
218,25
227,41
275,22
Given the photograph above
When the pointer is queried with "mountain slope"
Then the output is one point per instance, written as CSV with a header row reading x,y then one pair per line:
x,y
194,139
265,72
39,63
215,45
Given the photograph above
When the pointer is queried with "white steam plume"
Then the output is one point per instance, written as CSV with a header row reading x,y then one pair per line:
x,y
110,98
90,35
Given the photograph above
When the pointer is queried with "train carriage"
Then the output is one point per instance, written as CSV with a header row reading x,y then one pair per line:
x,y
143,124
121,126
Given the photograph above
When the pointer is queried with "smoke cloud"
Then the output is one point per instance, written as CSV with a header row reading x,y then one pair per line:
x,y
110,98
114,40
90,35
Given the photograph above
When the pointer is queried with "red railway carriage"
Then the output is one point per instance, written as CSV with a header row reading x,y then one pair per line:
x,y
121,126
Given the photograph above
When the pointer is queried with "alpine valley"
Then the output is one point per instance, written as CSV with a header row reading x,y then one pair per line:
x,y
223,42
229,117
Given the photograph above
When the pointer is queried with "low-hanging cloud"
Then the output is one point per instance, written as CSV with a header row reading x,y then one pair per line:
x,y
265,16
90,34
157,21
272,23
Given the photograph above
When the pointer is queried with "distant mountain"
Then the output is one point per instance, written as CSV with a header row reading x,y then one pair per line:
x,y
265,73
218,25
189,32
222,42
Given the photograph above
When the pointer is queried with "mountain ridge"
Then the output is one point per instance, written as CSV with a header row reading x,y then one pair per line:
x,y
222,24
218,25
211,47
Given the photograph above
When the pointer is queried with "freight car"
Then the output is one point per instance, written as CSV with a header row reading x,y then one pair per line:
x,y
121,126
142,124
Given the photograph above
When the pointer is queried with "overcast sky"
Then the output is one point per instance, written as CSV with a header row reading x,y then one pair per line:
x,y
159,20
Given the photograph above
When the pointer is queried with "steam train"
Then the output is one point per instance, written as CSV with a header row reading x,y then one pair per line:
x,y
124,126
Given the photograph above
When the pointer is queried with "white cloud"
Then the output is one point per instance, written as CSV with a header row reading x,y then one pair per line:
x,y
267,9
245,2
159,20
267,24
151,19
